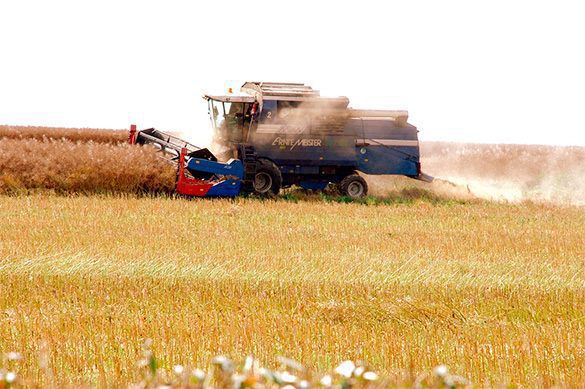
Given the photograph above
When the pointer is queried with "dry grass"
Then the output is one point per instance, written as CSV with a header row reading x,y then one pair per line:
x,y
81,167
73,134
495,291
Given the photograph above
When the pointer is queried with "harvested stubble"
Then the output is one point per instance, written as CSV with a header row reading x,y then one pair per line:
x,y
496,291
72,134
81,167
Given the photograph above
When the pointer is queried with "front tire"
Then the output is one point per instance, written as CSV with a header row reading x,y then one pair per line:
x,y
267,179
353,186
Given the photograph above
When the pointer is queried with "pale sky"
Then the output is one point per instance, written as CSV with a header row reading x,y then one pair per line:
x,y
489,72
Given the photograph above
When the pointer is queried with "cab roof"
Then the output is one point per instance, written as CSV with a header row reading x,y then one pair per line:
x,y
279,89
231,98
285,91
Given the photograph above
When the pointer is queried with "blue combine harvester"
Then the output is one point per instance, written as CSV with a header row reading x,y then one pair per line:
x,y
275,135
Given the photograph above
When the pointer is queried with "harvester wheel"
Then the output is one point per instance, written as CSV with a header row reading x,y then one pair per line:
x,y
267,179
353,186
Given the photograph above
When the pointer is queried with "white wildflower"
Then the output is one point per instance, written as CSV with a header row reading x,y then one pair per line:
x,y
10,377
288,378
441,371
359,371
304,384
225,363
291,363
345,369
249,363
326,380
199,375
178,369
14,356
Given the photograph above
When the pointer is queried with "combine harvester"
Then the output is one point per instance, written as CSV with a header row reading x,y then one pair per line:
x,y
280,134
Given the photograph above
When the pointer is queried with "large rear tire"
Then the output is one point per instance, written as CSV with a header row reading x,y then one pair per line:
x,y
267,179
353,186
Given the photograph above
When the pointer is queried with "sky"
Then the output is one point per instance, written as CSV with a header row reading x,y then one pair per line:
x,y
467,71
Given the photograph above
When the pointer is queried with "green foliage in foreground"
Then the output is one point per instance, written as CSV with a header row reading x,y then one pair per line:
x,y
409,195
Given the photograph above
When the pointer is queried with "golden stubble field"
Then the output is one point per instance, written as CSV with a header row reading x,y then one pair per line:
x,y
495,291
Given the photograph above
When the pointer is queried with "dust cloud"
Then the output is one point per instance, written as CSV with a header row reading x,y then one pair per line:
x,y
513,173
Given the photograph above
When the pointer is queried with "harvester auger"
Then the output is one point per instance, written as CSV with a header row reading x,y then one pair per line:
x,y
276,135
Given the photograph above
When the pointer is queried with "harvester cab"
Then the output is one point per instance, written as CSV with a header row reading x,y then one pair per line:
x,y
231,118
275,135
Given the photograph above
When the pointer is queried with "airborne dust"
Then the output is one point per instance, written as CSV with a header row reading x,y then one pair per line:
x,y
512,173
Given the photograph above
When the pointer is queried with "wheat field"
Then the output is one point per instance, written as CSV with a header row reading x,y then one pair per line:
x,y
495,291
96,135
96,257
64,166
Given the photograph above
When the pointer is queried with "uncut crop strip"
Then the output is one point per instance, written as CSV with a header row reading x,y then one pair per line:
x,y
72,134
81,167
